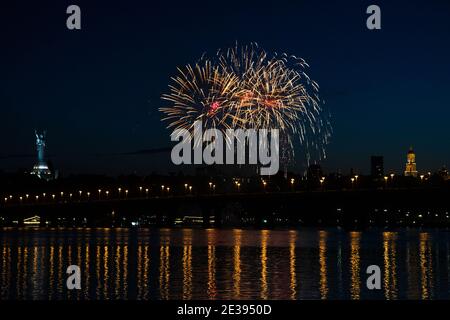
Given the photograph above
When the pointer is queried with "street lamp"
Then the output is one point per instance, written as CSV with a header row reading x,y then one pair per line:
x,y
322,181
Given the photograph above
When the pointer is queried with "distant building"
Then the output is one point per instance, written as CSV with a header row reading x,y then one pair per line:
x,y
314,172
377,167
443,173
411,170
41,169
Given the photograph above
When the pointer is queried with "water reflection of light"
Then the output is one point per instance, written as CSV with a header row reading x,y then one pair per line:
x,y
34,267
164,271
412,271
323,264
42,275
97,270
117,272
355,289
105,271
124,266
143,268
34,280
78,263
237,263
125,273
340,265
187,264
69,262
212,290
86,271
60,267
426,267
140,280
264,288
146,270
51,271
292,271
19,271
5,271
390,265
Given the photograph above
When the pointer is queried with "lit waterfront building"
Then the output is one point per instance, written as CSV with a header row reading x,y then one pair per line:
x,y
443,173
411,169
377,167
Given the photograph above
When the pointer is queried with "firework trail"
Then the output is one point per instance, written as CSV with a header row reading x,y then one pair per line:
x,y
244,87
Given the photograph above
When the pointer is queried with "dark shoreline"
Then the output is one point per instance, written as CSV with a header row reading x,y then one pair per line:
x,y
351,209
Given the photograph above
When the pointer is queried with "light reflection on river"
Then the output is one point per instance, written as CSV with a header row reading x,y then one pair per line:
x,y
223,264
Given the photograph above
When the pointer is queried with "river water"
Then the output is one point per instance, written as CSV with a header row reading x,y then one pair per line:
x,y
223,264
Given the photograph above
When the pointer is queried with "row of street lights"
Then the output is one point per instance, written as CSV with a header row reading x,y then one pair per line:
x,y
166,190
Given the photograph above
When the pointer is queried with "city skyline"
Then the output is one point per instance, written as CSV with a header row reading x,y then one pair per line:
x,y
97,90
410,165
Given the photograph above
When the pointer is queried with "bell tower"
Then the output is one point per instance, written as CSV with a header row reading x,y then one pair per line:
x,y
411,169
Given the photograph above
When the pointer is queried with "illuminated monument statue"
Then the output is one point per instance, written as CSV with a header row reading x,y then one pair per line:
x,y
411,170
41,169
40,145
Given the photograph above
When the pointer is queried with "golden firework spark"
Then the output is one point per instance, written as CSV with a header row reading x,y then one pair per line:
x,y
200,93
244,87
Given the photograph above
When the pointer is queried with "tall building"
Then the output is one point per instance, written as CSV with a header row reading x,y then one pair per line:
x,y
377,167
411,170
314,172
41,168
443,173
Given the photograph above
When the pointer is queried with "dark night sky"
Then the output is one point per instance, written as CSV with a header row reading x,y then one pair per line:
x,y
97,90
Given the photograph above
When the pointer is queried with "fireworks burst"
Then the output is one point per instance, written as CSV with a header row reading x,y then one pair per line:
x,y
244,87
200,93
